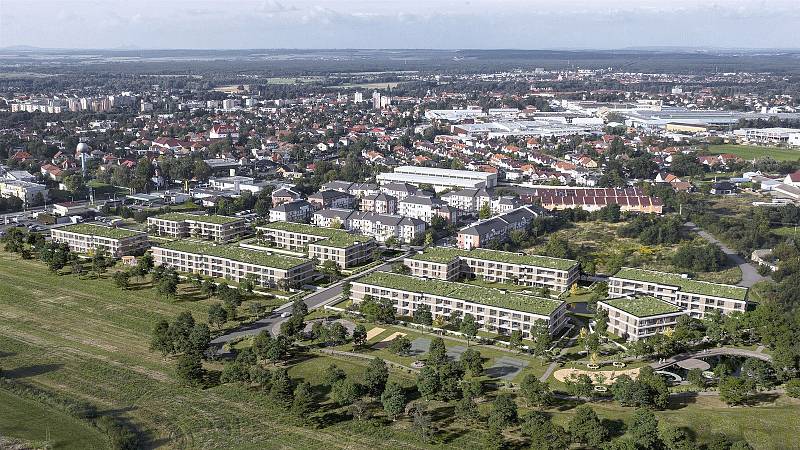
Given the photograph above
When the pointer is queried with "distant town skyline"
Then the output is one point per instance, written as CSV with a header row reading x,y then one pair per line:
x,y
435,24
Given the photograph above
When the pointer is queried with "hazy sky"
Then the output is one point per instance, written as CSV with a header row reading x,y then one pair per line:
x,y
525,24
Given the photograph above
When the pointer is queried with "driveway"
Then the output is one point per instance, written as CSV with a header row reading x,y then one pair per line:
x,y
750,275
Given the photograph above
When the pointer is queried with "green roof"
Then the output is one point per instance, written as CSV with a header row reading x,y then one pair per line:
x,y
461,291
98,230
643,306
235,253
447,254
331,237
684,284
213,218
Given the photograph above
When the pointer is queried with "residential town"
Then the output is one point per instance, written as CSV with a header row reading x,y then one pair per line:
x,y
455,256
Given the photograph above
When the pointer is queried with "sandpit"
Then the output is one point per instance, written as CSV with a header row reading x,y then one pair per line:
x,y
374,332
610,375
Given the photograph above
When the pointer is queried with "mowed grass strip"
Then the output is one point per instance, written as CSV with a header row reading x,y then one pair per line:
x,y
750,152
35,423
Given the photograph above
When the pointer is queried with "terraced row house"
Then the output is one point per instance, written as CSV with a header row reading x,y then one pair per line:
x,y
373,224
696,297
494,310
640,317
234,263
87,238
497,228
451,264
211,227
324,244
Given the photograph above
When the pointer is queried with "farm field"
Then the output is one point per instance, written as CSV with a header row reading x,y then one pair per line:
x,y
88,340
750,152
38,424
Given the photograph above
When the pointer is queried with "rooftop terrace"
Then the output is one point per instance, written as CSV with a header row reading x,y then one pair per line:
x,y
644,306
461,291
98,230
447,254
684,284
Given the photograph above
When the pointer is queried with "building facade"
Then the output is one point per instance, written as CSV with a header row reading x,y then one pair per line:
x,y
211,227
88,238
640,317
324,244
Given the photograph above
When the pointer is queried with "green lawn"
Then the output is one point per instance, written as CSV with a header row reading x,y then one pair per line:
x,y
750,152
41,425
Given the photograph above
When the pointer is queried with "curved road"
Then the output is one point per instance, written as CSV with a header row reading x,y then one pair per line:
x,y
274,320
712,352
750,275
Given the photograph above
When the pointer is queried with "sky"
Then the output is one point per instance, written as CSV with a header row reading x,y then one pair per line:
x,y
433,24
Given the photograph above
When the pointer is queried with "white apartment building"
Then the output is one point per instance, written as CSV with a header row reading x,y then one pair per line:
x,y
774,135
696,297
212,227
294,211
324,244
469,200
451,264
368,223
234,263
635,318
495,311
23,190
87,238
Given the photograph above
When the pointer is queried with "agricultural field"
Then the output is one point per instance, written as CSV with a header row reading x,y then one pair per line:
x,y
750,152
88,340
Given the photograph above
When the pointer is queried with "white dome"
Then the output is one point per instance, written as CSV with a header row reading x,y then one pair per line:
x,y
82,148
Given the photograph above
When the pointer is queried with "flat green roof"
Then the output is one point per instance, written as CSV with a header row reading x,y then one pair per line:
x,y
98,230
331,237
447,254
462,291
684,284
235,253
212,218
643,306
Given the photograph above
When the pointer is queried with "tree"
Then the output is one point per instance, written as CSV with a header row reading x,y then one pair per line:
x,y
303,402
504,411
359,336
735,390
217,316
345,392
167,286
421,423
333,374
793,388
336,334
450,376
428,383
375,377
676,438
469,328
437,353
472,361
586,428
281,389
422,315
161,340
515,341
199,339
485,212
644,429
208,288
536,393
394,400
121,279
400,345
542,434
189,368
580,386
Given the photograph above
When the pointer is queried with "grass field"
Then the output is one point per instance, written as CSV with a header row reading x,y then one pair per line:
x,y
750,152
88,340
39,425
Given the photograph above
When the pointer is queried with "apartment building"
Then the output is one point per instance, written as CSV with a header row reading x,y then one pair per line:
x,y
379,203
640,317
378,226
325,244
497,228
23,190
87,238
331,199
426,207
294,211
234,263
696,297
211,227
440,179
494,310
469,200
399,190
451,264
357,190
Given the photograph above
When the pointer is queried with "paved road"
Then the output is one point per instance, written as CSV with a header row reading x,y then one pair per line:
x,y
274,320
750,275
712,352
